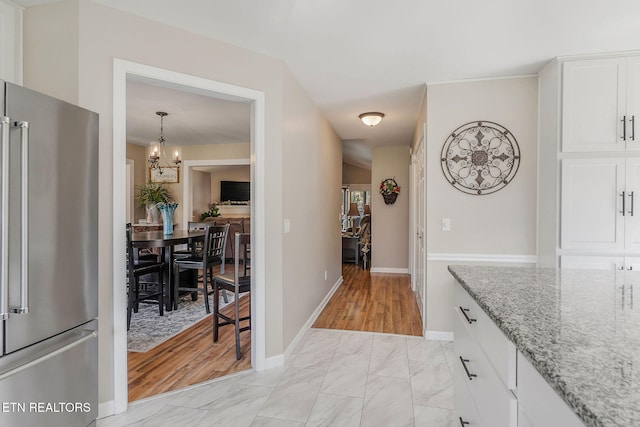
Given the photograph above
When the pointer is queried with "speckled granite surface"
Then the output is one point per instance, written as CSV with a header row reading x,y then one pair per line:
x,y
579,328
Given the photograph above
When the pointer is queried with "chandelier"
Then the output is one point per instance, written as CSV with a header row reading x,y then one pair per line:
x,y
156,150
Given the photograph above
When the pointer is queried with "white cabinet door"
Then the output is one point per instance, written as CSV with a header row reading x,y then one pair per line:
x,y
633,104
593,104
591,203
632,205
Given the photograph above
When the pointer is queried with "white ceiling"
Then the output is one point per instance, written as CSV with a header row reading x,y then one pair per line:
x,y
354,56
191,119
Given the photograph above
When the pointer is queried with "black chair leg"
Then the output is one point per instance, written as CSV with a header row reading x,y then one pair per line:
x,y
205,292
216,321
161,292
237,325
176,285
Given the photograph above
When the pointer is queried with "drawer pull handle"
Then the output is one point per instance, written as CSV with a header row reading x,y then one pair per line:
x,y
464,313
464,365
463,422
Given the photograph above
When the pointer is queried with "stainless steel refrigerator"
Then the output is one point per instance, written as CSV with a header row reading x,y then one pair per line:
x,y
48,261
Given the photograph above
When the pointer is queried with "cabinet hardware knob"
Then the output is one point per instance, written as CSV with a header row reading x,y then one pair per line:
x,y
624,128
464,313
464,365
463,423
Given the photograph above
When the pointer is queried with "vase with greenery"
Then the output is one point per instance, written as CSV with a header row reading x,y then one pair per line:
x,y
149,195
212,212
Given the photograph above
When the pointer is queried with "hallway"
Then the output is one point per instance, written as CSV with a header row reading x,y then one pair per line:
x,y
372,303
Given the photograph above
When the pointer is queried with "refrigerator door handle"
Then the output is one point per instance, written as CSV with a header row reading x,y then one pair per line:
x,y
24,208
4,222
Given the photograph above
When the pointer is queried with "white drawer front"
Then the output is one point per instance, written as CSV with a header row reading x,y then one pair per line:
x,y
465,408
497,348
496,405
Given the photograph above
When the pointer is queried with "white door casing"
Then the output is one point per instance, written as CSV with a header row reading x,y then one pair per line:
x,y
122,71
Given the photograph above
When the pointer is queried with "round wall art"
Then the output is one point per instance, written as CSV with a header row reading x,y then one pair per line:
x,y
480,158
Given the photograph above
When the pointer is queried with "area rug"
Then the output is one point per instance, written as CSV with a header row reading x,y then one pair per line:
x,y
149,330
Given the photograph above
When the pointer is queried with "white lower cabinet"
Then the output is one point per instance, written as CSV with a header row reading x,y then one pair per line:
x,y
477,377
538,403
494,385
466,412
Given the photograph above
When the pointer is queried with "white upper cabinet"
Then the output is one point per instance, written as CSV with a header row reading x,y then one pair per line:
x,y
600,211
632,205
633,103
10,42
592,198
599,111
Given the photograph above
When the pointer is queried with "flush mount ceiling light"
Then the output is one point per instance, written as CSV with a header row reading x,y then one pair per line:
x,y
371,119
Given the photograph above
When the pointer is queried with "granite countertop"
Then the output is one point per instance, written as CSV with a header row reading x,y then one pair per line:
x,y
579,328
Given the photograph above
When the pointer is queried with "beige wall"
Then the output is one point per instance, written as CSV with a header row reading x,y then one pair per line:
x,y
389,227
355,175
138,154
500,223
60,53
201,193
311,179
313,153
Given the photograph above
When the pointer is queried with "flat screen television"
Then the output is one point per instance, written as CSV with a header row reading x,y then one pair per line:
x,y
235,191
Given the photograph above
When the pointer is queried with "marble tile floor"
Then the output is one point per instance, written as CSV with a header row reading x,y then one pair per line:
x,y
333,378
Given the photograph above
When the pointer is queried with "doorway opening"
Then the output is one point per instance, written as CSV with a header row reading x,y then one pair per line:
x,y
127,71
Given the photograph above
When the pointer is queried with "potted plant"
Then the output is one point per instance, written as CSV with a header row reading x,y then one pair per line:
x,y
212,212
149,195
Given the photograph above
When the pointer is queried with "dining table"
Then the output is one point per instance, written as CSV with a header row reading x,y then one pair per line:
x,y
167,243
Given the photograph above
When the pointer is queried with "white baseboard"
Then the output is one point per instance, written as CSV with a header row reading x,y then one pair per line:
x,y
389,270
274,361
498,258
439,335
296,340
106,409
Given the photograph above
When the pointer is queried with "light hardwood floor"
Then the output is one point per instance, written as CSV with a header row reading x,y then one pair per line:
x,y
372,303
189,358
364,302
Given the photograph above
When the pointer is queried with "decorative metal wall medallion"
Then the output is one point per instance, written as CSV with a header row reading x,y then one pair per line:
x,y
480,158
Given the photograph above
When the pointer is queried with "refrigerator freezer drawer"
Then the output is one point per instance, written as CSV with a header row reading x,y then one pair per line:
x,y
57,389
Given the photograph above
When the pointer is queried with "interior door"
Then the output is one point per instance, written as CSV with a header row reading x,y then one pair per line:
x,y
419,227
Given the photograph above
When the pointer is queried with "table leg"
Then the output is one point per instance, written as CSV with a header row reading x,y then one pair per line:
x,y
169,300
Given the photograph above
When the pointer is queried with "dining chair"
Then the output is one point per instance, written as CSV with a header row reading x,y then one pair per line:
x,y
140,286
197,246
142,254
236,283
215,239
